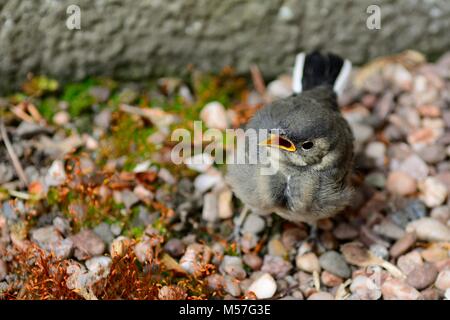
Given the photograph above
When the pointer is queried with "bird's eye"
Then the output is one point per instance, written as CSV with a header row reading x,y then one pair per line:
x,y
307,145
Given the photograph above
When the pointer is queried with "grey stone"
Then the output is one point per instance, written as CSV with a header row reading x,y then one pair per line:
x,y
87,244
334,263
103,230
253,224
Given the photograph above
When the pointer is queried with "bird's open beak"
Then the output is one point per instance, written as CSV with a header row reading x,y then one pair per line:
x,y
279,142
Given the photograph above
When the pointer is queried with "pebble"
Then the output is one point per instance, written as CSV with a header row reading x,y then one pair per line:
x,y
248,241
430,294
376,151
215,281
368,237
210,212
103,230
403,244
401,183
276,266
365,288
143,194
99,265
329,279
103,119
292,236
276,248
172,293
142,250
166,176
435,254
195,258
87,244
441,213
232,266
3,270
429,229
62,225
214,115
345,231
55,175
90,142
395,289
433,192
49,239
225,205
200,162
432,154
389,230
264,287
175,247
61,118
254,224
443,280
413,210
205,181
101,94
231,286
361,132
409,261
376,179
119,246
308,262
422,276
127,197
253,261
321,296
414,166
379,251
334,262
279,89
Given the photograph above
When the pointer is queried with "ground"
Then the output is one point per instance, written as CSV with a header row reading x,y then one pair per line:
x,y
91,206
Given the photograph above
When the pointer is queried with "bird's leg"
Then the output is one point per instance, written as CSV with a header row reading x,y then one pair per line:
x,y
313,237
238,224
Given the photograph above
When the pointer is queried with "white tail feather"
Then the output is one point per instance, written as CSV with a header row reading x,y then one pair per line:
x,y
339,84
344,75
297,76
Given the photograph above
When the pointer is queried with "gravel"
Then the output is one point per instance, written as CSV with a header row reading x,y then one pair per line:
x,y
400,216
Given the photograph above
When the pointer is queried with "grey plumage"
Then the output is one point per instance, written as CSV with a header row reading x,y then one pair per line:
x,y
313,181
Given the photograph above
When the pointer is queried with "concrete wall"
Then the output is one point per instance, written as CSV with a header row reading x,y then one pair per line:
x,y
137,39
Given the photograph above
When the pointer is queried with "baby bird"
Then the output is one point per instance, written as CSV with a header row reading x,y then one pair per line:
x,y
311,142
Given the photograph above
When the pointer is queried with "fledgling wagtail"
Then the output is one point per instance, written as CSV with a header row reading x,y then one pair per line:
x,y
312,143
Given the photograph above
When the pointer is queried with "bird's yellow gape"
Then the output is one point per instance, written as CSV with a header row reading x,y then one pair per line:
x,y
279,142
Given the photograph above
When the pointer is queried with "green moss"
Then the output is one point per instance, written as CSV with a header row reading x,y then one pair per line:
x,y
136,232
48,107
78,97
128,138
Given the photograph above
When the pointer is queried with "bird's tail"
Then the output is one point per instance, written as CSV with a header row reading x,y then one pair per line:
x,y
315,69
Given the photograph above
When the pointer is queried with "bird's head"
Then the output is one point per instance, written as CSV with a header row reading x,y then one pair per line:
x,y
306,133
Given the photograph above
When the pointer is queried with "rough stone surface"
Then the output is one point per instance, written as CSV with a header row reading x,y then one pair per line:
x,y
137,39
